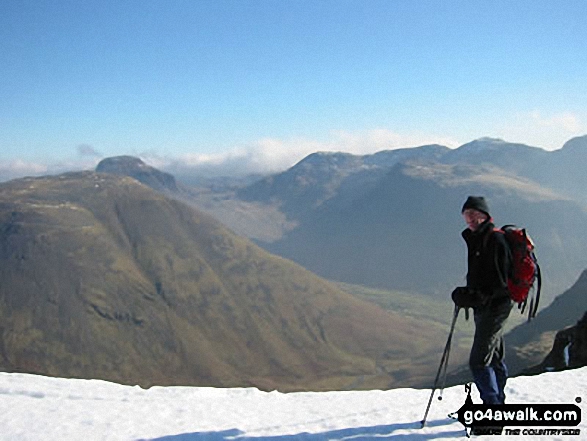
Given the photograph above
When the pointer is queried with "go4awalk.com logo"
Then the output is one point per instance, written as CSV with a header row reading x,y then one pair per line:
x,y
521,419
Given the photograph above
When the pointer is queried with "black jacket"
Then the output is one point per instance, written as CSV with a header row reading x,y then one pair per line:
x,y
489,258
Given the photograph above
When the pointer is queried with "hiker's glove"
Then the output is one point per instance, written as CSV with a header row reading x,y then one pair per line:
x,y
465,297
459,295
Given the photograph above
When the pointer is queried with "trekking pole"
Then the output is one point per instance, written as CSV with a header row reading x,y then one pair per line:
x,y
447,349
443,365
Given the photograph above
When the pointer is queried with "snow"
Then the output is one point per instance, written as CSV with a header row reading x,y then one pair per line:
x,y
43,408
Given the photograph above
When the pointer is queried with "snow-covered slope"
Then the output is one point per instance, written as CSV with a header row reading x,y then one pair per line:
x,y
42,408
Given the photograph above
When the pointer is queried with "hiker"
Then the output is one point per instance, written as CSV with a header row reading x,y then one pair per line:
x,y
487,294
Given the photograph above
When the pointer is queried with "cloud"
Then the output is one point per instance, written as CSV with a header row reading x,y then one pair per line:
x,y
565,121
376,140
549,131
269,155
85,150
19,168
87,159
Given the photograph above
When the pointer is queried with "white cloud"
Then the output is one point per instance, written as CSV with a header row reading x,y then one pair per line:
x,y
19,168
565,121
269,155
87,150
549,131
376,140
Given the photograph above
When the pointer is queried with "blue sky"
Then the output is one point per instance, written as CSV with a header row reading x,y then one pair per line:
x,y
261,83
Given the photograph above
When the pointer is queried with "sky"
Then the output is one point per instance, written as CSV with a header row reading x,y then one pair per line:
x,y
43,408
265,82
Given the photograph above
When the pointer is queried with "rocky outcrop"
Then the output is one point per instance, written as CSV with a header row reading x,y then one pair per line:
x,y
569,350
137,169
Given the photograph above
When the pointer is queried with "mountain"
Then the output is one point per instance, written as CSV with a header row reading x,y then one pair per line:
x,y
136,168
102,277
561,170
566,169
513,157
321,176
403,230
391,220
529,343
569,350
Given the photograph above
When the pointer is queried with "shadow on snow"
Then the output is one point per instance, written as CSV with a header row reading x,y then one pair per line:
x,y
354,434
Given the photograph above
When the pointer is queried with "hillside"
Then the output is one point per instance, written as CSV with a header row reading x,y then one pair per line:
x,y
391,220
404,231
529,343
102,277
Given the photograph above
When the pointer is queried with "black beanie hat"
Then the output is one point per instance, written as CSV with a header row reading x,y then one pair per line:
x,y
476,203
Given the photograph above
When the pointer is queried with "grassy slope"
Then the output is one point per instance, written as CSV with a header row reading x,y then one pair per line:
x,y
104,278
437,314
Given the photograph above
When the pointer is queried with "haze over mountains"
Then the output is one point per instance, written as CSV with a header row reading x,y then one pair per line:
x,y
392,219
102,277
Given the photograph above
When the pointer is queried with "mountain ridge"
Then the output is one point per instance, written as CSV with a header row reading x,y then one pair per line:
x,y
290,213
102,277
136,168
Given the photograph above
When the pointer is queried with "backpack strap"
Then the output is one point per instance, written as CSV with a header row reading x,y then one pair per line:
x,y
503,278
534,308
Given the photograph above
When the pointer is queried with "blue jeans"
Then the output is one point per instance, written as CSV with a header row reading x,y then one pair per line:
x,y
487,353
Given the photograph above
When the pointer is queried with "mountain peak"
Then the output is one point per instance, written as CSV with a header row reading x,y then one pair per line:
x,y
575,144
137,169
495,148
489,139
327,158
120,162
484,143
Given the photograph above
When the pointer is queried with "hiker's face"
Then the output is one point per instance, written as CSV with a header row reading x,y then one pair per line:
x,y
474,218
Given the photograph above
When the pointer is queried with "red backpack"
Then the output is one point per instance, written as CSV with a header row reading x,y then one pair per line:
x,y
524,272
